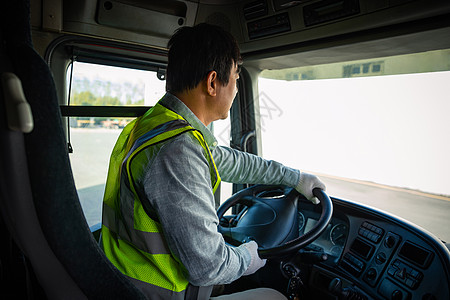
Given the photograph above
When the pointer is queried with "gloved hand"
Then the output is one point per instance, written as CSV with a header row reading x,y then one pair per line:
x,y
256,263
307,183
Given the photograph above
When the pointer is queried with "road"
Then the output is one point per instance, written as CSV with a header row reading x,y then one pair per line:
x,y
430,212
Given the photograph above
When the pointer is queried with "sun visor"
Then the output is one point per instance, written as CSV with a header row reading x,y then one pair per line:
x,y
141,19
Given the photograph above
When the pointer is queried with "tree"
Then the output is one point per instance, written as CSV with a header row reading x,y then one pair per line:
x,y
82,98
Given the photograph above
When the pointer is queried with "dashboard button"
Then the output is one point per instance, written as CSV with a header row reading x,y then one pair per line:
x,y
371,274
401,273
405,274
414,273
411,283
380,258
371,232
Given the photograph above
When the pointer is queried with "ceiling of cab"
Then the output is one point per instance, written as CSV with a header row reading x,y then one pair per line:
x,y
269,31
279,33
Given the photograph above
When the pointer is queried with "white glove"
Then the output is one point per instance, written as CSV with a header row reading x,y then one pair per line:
x,y
307,183
256,263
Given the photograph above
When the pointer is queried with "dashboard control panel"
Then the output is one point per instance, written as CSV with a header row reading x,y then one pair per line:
x,y
377,255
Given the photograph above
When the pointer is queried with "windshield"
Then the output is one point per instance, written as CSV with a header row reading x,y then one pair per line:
x,y
375,131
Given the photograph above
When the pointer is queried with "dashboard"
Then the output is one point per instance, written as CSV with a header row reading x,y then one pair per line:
x,y
372,255
361,254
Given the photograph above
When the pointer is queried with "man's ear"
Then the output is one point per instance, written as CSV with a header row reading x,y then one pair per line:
x,y
211,83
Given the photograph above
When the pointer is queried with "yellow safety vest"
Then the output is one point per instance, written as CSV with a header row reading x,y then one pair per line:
x,y
131,238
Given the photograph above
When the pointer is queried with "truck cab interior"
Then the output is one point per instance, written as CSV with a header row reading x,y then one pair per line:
x,y
60,118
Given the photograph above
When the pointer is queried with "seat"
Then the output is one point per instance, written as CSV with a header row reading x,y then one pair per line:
x,y
38,199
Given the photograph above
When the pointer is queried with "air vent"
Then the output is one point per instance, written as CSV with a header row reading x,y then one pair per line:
x,y
255,9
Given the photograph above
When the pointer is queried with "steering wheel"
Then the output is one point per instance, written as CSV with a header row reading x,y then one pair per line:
x,y
268,216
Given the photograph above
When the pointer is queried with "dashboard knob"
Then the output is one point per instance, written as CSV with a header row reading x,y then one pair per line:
x,y
390,241
380,258
371,274
397,295
335,286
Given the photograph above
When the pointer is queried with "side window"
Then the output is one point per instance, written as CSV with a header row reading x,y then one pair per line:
x,y
93,138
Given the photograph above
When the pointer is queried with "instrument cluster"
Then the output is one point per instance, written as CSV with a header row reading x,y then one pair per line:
x,y
332,240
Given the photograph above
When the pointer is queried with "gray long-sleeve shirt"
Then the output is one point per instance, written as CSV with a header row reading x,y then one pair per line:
x,y
178,187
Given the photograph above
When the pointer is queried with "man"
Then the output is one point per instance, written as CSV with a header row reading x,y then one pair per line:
x,y
159,220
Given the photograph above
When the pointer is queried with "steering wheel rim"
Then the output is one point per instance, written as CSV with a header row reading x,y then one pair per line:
x,y
292,246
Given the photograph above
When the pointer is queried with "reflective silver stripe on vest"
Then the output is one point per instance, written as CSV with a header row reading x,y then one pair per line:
x,y
159,293
155,292
150,242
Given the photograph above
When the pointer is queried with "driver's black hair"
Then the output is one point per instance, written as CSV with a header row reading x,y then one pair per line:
x,y
195,51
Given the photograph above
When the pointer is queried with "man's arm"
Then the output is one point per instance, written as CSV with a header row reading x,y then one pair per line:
x,y
178,187
242,167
